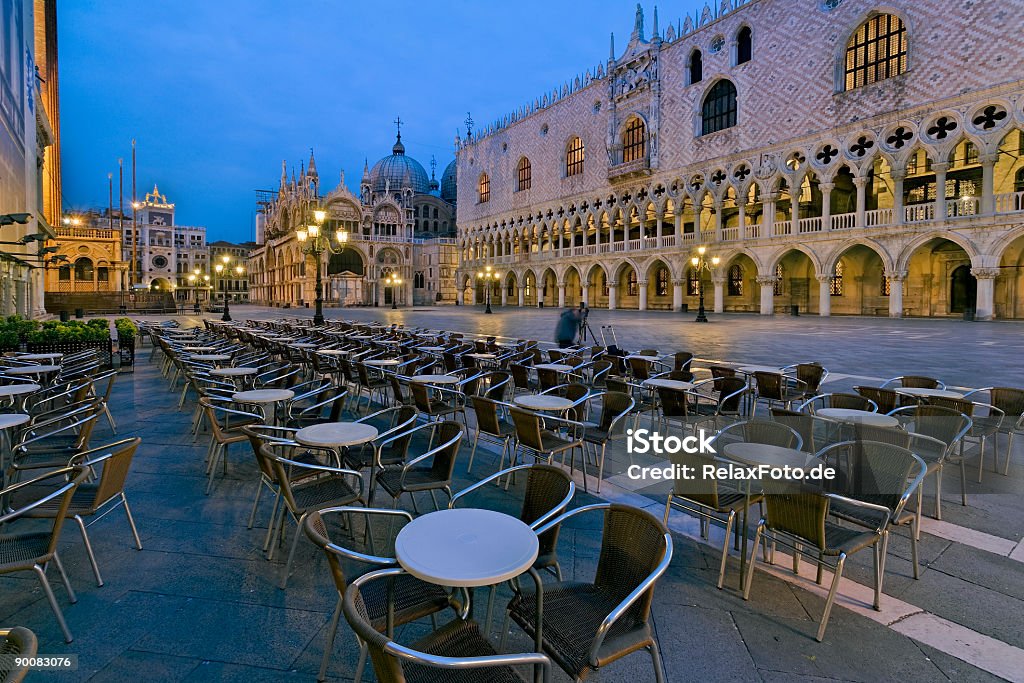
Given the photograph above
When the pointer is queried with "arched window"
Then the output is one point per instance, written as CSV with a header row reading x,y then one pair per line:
x,y
877,50
484,188
719,110
696,67
103,274
574,157
692,282
735,280
835,285
83,269
777,287
64,273
633,143
661,282
744,48
524,178
1018,182
631,284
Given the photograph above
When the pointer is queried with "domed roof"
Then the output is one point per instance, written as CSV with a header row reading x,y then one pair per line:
x,y
448,183
400,170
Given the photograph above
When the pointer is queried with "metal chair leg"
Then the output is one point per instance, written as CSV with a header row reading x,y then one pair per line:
x,y
131,521
725,548
41,575
88,550
831,597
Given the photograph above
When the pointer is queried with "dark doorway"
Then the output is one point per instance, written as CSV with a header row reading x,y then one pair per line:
x,y
963,290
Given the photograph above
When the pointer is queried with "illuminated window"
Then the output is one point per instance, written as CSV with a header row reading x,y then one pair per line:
x,y
735,284
886,286
633,144
631,284
877,50
835,285
484,188
574,157
744,49
696,68
692,282
661,283
777,287
524,176
719,110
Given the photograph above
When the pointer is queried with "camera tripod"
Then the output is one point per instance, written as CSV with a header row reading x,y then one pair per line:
x,y
585,331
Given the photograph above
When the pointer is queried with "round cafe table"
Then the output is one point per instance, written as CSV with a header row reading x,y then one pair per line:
x,y
40,356
30,370
751,369
211,357
333,352
482,356
264,396
381,362
676,384
763,454
435,379
556,367
8,421
430,349
234,372
862,417
542,402
199,349
922,392
303,345
19,392
336,434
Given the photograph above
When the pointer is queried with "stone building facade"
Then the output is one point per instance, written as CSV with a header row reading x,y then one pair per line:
x,y
841,156
229,281
165,252
89,249
401,222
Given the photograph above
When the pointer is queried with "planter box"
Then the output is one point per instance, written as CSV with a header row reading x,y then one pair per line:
x,y
105,347
126,354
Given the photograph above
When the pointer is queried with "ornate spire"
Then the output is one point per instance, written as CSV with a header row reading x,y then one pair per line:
x,y
399,148
611,50
312,165
638,24
366,169
654,29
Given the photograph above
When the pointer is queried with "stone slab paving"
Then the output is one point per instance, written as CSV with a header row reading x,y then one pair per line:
x,y
201,603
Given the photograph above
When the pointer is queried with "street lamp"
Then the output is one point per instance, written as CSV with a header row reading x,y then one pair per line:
x,y
487,276
392,281
315,242
700,264
225,268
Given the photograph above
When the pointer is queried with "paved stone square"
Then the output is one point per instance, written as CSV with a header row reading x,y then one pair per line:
x,y
200,602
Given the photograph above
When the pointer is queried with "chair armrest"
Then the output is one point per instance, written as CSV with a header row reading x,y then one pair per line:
x,y
887,513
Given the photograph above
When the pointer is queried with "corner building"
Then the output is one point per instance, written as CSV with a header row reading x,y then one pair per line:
x,y
840,156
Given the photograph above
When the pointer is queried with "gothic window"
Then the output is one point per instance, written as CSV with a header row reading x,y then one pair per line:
x,y
692,282
661,283
435,212
631,284
696,68
777,287
877,50
574,157
435,226
633,144
970,153
524,175
719,110
886,286
835,285
735,284
484,188
744,49
1018,182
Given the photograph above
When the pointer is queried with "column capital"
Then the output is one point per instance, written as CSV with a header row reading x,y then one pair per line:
x,y
718,279
897,174
822,277
988,159
766,280
826,187
985,273
896,275
860,182
678,283
940,167
642,283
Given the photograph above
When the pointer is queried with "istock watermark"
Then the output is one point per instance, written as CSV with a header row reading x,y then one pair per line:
x,y
645,441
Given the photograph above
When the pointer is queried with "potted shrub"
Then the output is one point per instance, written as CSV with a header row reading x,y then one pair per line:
x,y
127,333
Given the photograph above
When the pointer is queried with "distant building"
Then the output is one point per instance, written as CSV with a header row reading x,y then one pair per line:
x,y
229,280
165,253
89,254
402,222
29,169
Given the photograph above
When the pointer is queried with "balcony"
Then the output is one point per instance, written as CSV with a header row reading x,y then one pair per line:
x,y
87,233
625,170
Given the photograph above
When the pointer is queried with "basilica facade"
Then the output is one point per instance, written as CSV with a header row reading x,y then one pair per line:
x,y
837,156
401,225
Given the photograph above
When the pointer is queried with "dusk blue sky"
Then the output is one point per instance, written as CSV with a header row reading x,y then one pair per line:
x,y
217,93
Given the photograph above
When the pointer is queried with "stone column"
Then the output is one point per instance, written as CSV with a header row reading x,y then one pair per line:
x,y
768,215
767,284
677,221
522,295
677,294
862,201
742,204
985,307
826,205
719,282
717,206
642,290
824,295
896,293
658,227
504,295
940,190
988,199
585,294
898,214
561,295
613,296
794,209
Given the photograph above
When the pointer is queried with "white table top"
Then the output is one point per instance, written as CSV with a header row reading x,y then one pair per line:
x,y
212,357
751,369
669,383
30,369
40,356
482,356
542,402
641,356
763,454
557,367
18,389
333,352
361,336
430,349
930,393
234,372
381,362
466,547
199,349
863,417
435,379
8,420
303,345
263,395
336,434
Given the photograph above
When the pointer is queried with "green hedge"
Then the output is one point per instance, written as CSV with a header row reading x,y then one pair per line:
x,y
126,331
55,332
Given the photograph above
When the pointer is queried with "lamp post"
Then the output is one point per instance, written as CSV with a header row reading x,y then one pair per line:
x,y
225,268
313,241
392,281
488,276
701,263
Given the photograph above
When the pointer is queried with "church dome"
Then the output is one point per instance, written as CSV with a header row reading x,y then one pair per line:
x,y
448,183
399,171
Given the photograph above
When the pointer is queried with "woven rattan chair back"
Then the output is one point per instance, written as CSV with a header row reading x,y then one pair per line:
x,y
796,509
528,428
620,568
546,489
486,411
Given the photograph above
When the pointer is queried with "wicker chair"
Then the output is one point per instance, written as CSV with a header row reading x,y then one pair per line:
x,y
589,625
803,424
225,429
430,471
457,653
491,427
914,382
838,400
777,388
32,549
16,642
413,598
534,437
436,402
1011,402
610,426
718,401
644,401
759,431
887,400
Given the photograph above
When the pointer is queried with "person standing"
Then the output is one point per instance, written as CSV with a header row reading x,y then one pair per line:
x,y
568,327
